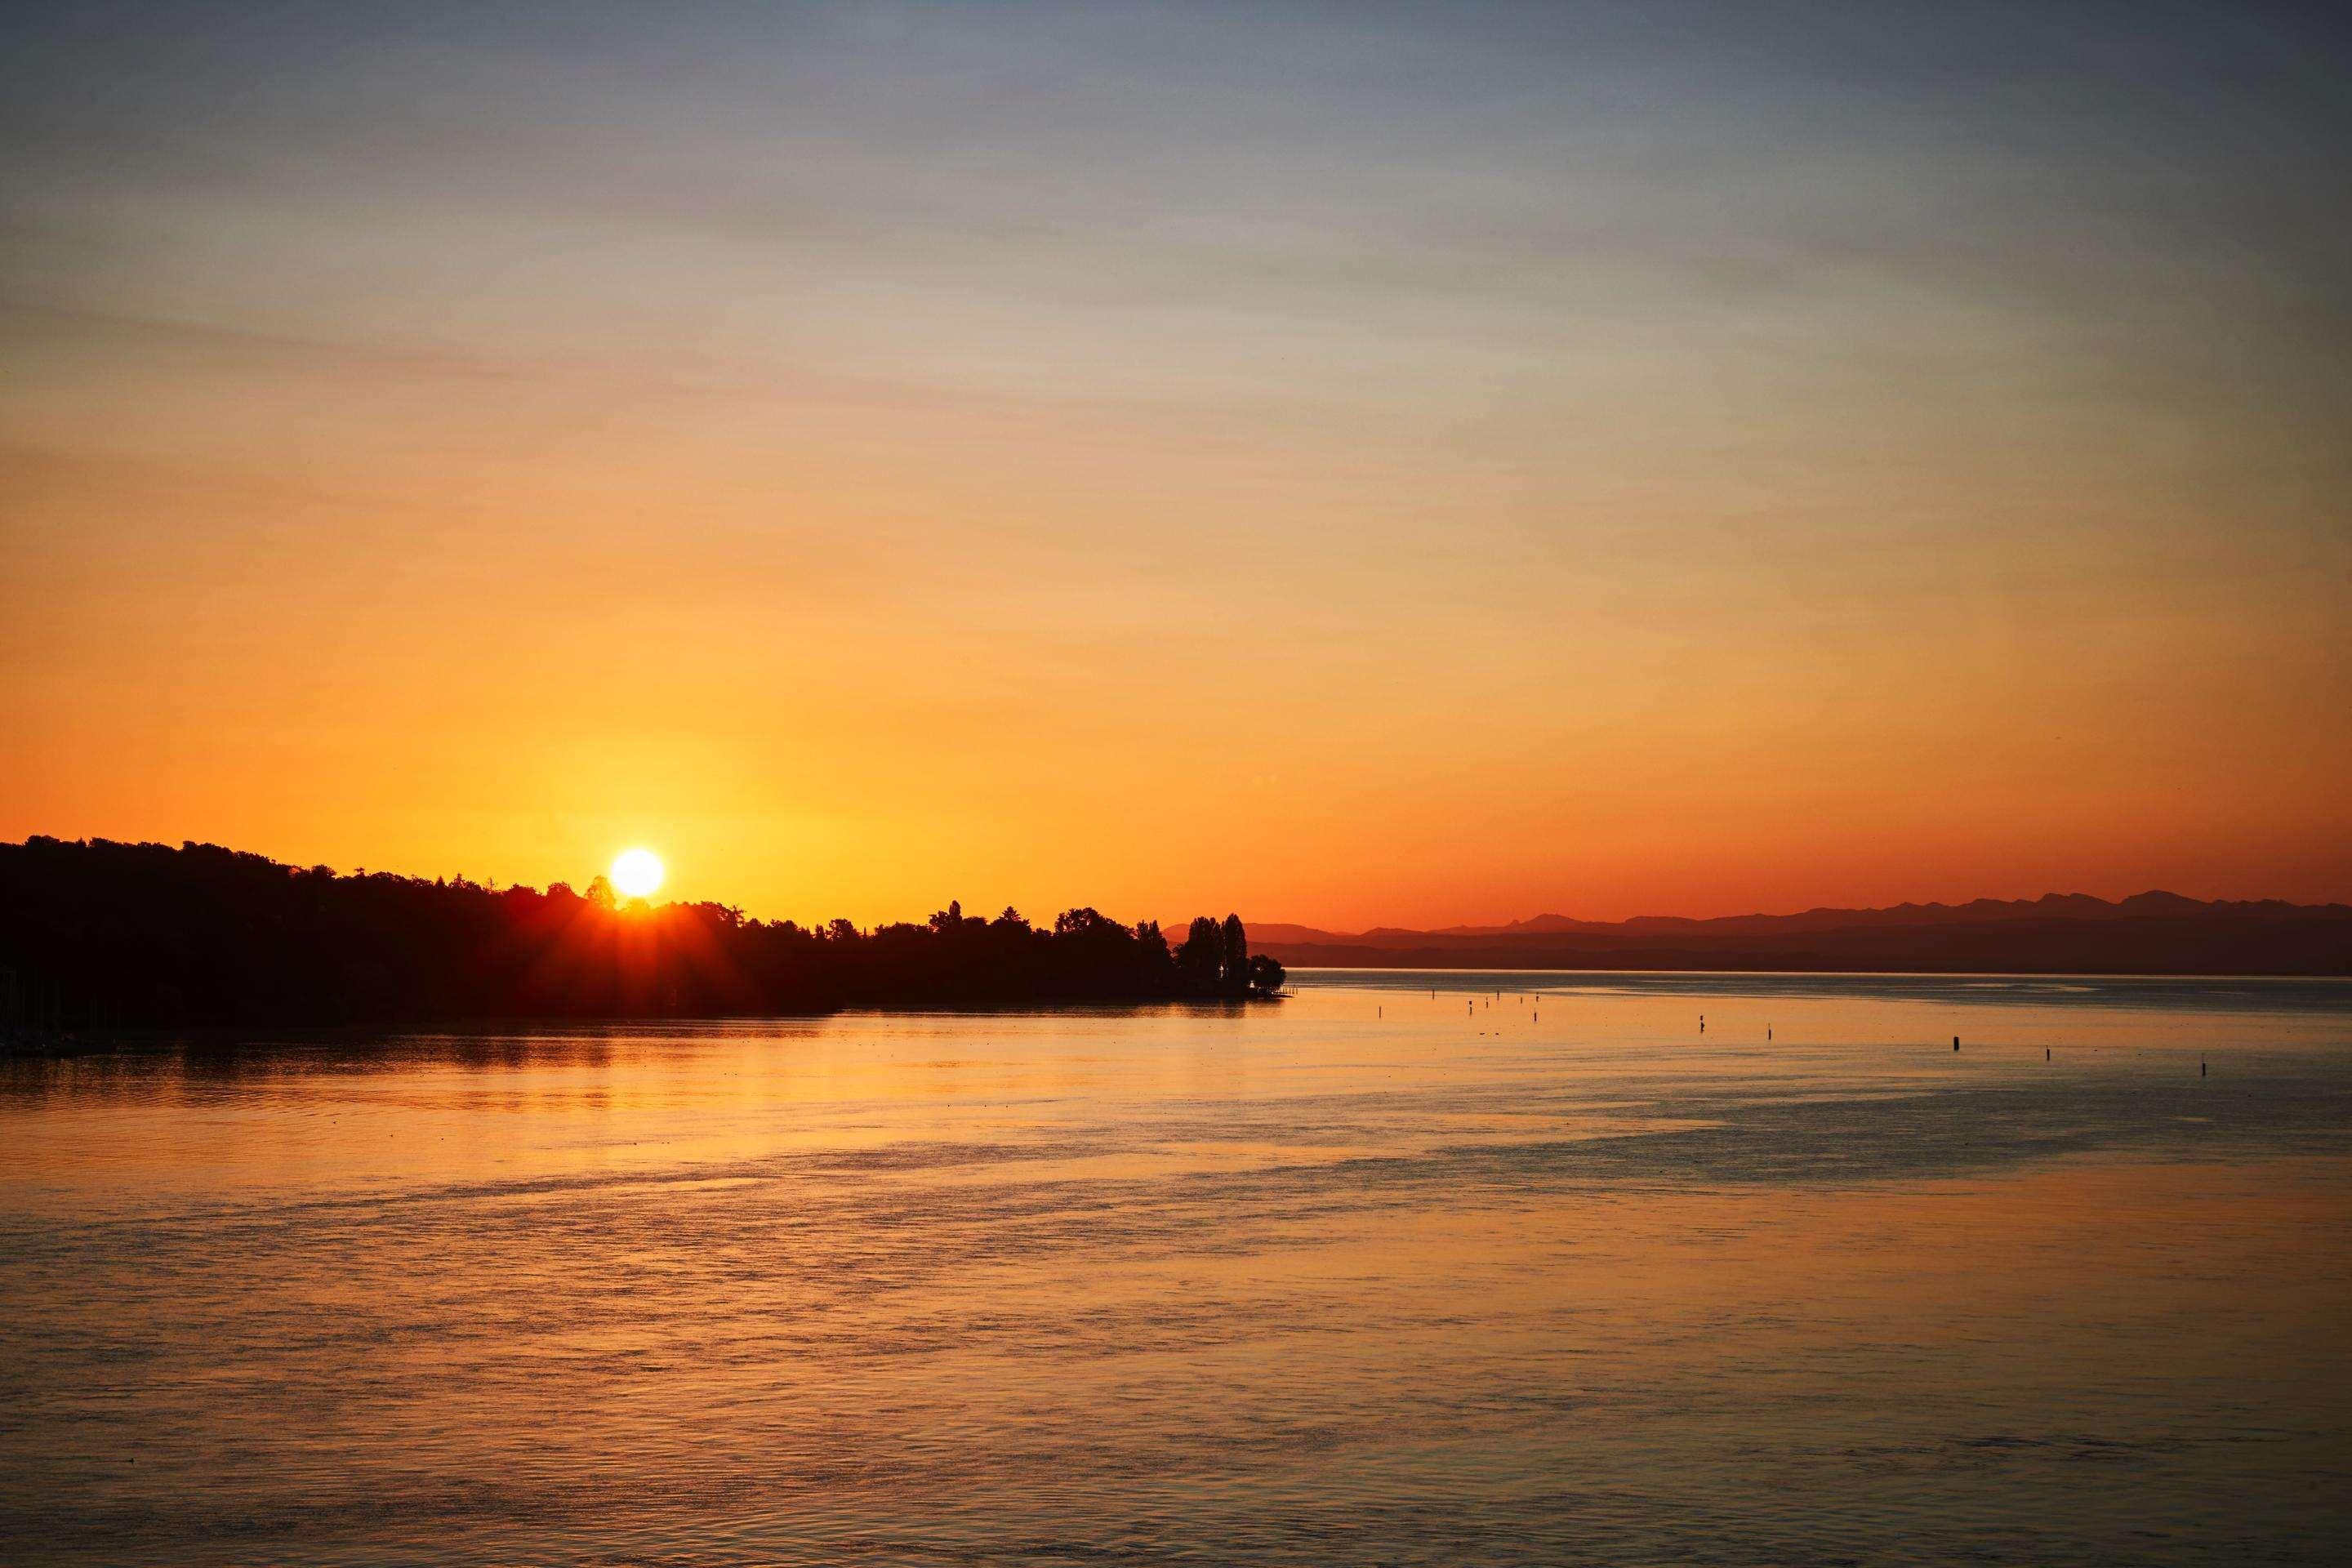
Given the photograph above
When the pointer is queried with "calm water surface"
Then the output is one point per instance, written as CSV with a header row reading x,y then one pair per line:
x,y
1367,1277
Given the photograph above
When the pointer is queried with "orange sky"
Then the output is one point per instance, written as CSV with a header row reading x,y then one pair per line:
x,y
1350,474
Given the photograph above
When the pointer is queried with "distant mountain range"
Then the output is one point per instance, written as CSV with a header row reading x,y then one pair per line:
x,y
2148,933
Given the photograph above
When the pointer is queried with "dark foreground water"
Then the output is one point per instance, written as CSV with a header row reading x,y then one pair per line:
x,y
1368,1277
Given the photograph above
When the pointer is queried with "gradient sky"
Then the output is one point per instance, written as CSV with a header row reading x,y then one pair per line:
x,y
1357,464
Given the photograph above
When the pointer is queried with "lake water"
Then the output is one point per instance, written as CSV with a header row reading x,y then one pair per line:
x,y
1370,1275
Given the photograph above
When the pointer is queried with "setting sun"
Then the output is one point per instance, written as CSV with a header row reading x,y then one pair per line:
x,y
636,873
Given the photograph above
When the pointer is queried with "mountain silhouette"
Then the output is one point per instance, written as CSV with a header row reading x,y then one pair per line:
x,y
2154,933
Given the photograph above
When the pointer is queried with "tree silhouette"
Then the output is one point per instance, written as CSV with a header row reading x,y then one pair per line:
x,y
142,935
1266,975
1201,960
1151,947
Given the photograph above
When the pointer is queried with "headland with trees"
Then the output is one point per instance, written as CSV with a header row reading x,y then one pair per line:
x,y
103,935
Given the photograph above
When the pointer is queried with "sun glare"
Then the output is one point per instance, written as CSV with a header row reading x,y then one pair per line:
x,y
636,873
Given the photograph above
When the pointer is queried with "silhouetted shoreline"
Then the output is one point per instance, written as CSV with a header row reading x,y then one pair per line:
x,y
109,936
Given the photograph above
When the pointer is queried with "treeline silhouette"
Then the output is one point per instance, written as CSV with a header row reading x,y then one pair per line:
x,y
104,934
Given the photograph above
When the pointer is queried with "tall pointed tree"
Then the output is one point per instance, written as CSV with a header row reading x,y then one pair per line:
x,y
1202,957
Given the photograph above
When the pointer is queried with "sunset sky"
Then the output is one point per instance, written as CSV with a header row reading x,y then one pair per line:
x,y
1353,464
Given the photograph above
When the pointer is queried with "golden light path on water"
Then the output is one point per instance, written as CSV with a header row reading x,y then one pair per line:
x,y
1370,1275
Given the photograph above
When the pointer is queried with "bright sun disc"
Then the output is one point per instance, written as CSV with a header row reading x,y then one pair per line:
x,y
636,872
